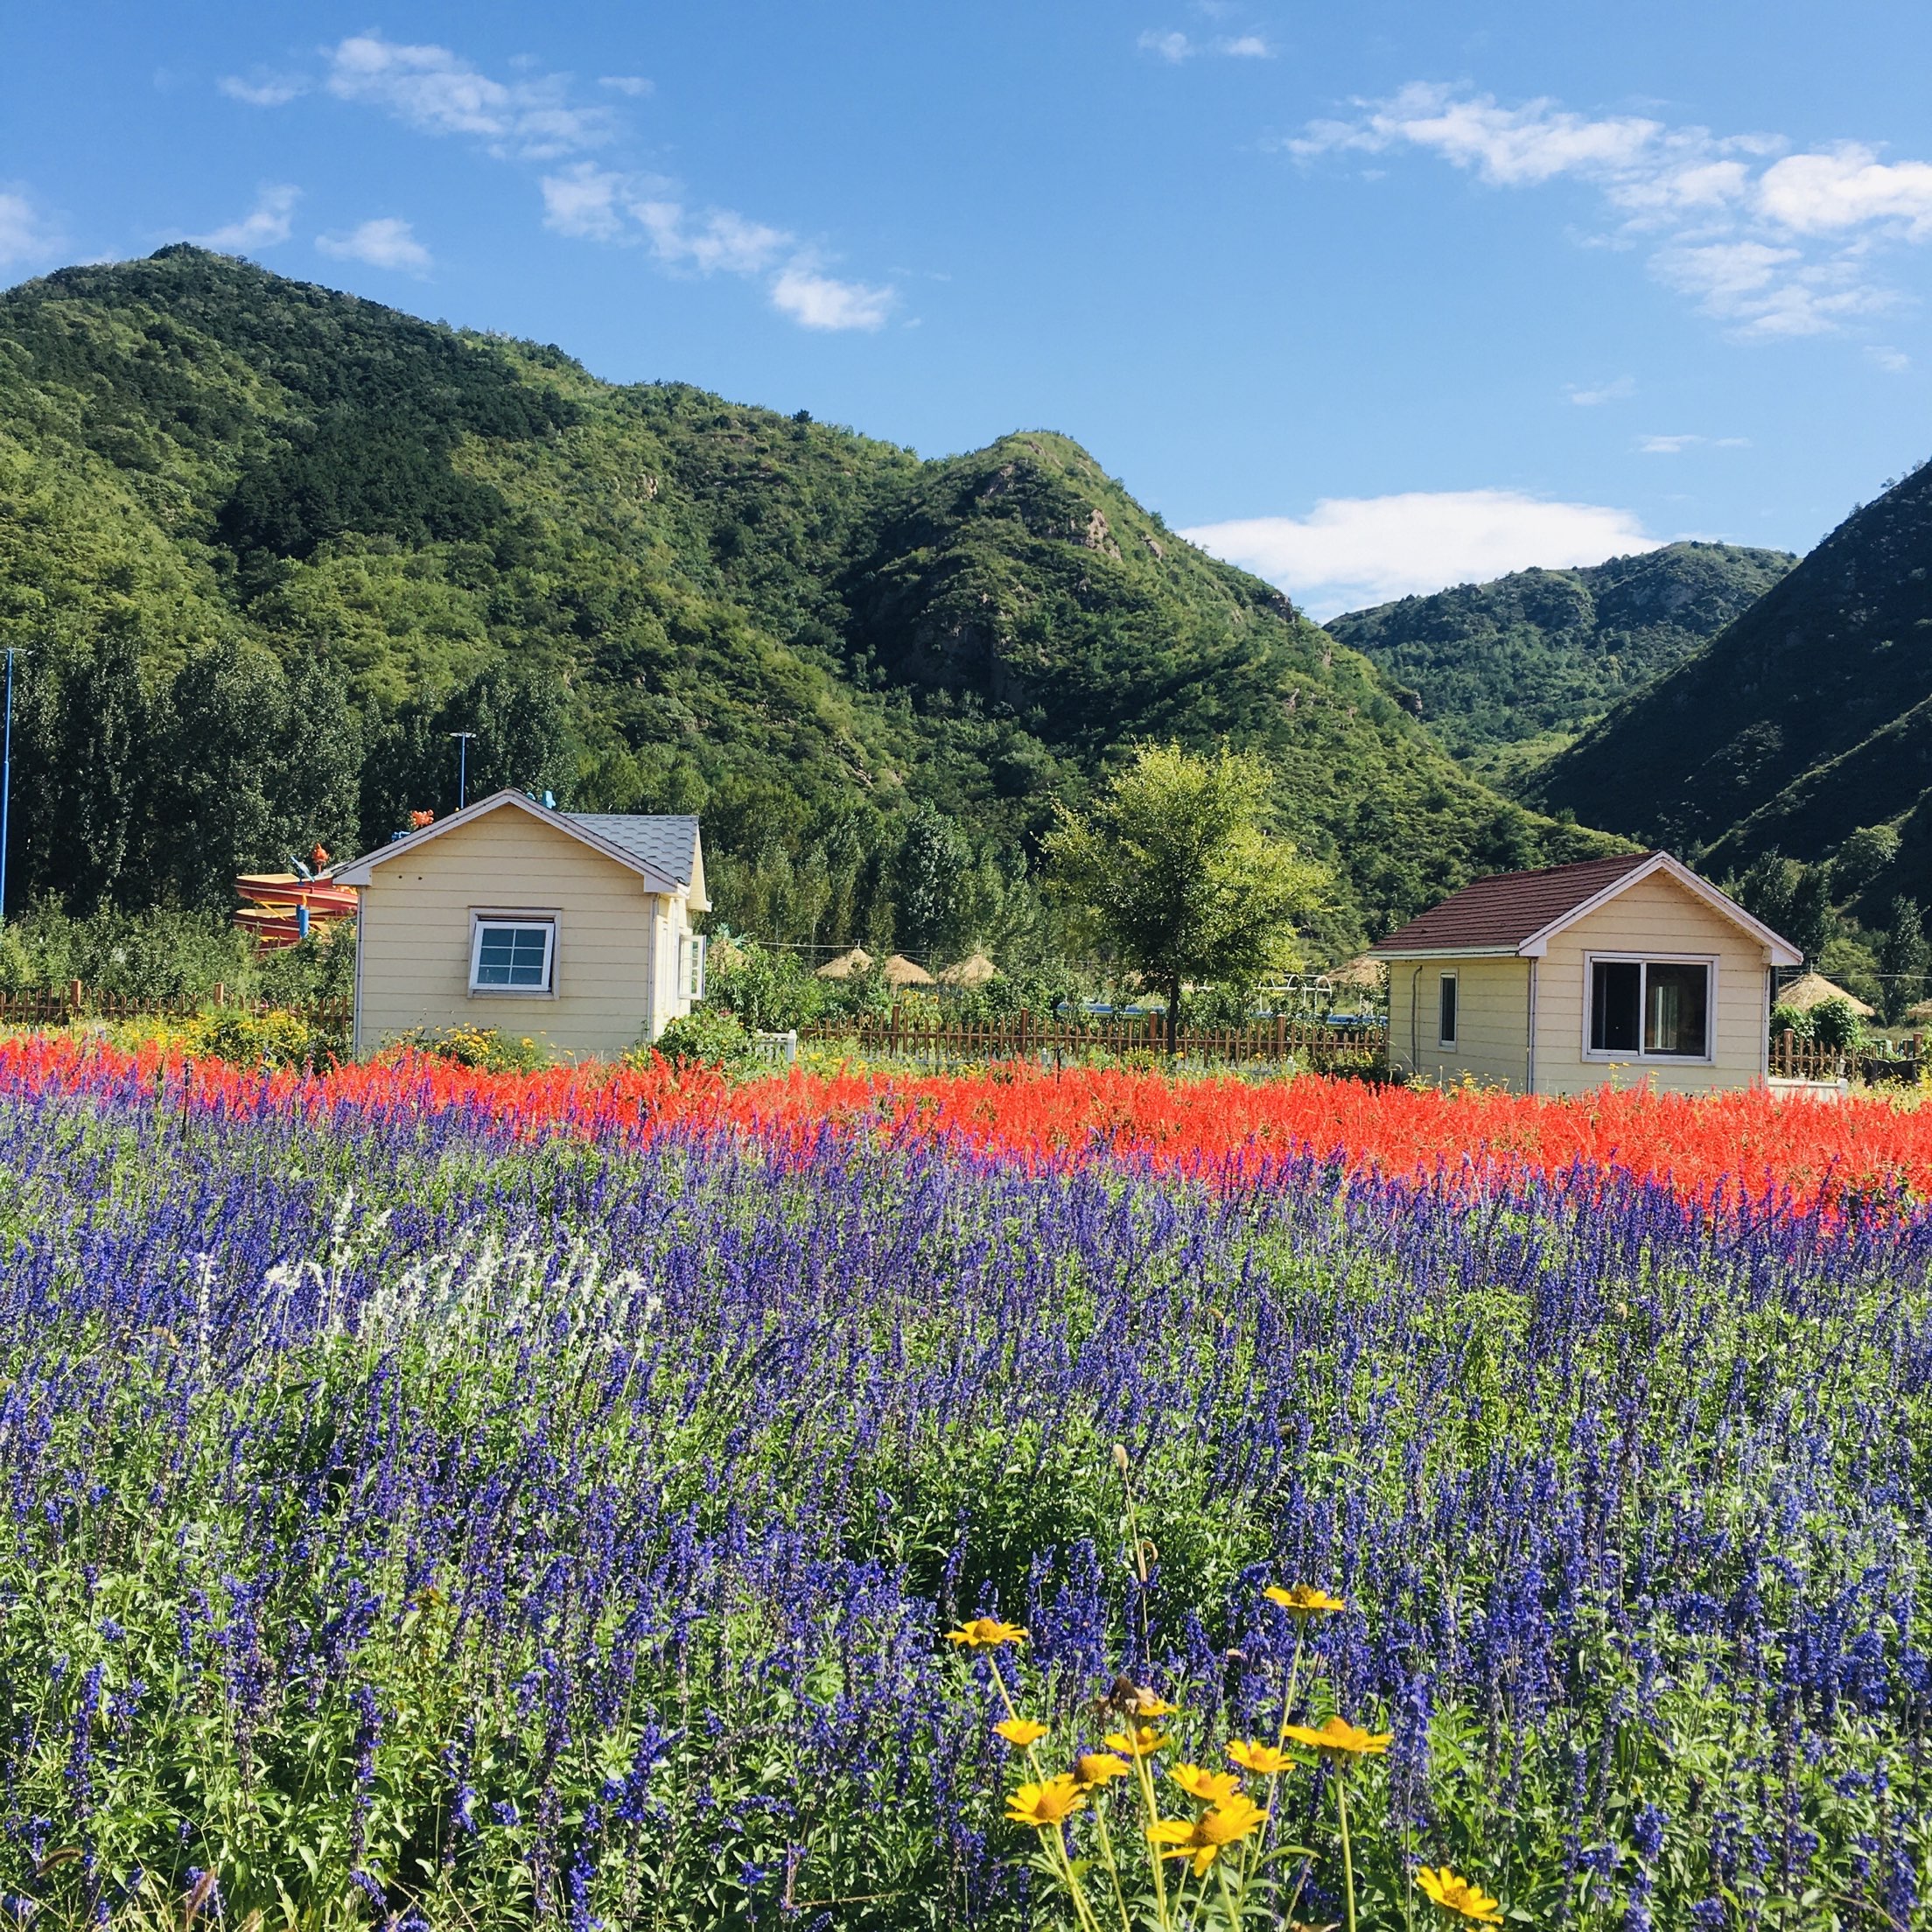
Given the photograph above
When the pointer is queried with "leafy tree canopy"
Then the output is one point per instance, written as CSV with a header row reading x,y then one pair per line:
x,y
1171,869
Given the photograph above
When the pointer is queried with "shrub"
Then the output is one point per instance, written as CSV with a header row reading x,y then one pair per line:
x,y
1836,1023
1795,1020
705,1038
273,1039
482,1047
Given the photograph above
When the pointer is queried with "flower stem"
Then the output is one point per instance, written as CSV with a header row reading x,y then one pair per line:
x,y
1113,1869
1146,1781
1348,1856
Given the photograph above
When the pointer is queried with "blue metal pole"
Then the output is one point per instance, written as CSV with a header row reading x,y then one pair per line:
x,y
6,788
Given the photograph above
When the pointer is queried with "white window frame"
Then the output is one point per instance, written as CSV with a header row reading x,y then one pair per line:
x,y
484,917
1601,1058
693,950
1452,1043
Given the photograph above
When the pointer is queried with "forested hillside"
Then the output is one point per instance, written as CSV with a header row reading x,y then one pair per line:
x,y
1508,672
1807,719
267,545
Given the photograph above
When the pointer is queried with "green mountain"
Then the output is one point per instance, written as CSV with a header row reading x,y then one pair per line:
x,y
268,545
1508,672
1805,720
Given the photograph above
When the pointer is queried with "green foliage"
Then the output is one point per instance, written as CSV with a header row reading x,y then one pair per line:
x,y
700,1038
1521,665
930,874
245,1038
487,1048
1800,724
179,957
1836,1023
270,544
1904,958
1173,871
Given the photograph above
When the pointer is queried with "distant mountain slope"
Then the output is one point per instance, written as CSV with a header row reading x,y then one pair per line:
x,y
1510,670
1803,720
283,541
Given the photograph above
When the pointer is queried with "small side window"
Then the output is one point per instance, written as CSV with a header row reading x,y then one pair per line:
x,y
694,986
1446,1011
512,956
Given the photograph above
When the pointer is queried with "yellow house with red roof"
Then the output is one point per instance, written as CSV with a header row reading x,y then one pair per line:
x,y
1630,969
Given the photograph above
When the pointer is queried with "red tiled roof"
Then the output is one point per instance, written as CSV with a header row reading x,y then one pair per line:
x,y
1506,908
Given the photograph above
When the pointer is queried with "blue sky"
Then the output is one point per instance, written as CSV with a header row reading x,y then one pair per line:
x,y
1372,299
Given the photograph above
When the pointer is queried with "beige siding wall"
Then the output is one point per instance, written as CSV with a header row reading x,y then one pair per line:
x,y
413,968
1657,917
1492,1020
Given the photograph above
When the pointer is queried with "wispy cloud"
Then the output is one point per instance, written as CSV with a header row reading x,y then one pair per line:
x,y
1351,552
1676,445
386,242
632,84
597,204
816,301
436,91
25,235
1770,243
1173,47
1592,398
1892,361
262,88
264,226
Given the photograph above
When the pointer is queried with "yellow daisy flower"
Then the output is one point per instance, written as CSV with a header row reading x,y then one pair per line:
x,y
1458,1895
1209,1835
1209,1786
1043,1805
1098,1767
1020,1731
1304,1601
1262,1758
986,1633
1341,1738
1141,1742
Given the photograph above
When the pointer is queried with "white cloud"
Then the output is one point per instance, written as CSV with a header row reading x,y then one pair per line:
x,y
601,204
386,242
634,85
263,89
1771,243
816,301
1666,445
1816,193
265,226
1175,47
24,235
718,240
437,92
1351,552
1892,361
1604,392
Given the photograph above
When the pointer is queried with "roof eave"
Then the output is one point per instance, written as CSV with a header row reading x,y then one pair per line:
x,y
360,873
1444,952
1780,949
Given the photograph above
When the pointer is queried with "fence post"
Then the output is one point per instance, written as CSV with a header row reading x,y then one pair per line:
x,y
73,999
221,993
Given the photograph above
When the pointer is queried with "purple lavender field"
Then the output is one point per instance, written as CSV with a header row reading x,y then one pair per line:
x,y
409,1524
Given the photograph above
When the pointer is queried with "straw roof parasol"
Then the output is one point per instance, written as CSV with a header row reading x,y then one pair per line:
x,y
1360,971
975,971
858,960
900,971
1813,990
1918,1014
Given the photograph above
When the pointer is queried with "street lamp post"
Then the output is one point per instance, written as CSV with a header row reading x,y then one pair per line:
x,y
462,767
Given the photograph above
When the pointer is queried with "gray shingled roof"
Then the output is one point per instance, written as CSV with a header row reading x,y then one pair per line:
x,y
666,841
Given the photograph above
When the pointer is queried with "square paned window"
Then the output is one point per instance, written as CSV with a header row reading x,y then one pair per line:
x,y
510,955
1650,1009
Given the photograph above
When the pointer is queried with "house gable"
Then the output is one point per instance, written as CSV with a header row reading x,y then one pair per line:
x,y
655,877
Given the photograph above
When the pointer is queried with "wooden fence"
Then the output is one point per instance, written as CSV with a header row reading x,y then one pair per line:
x,y
1275,1042
62,1006
1896,1064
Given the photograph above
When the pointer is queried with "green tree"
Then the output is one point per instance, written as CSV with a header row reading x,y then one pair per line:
x,y
928,879
1173,871
1903,956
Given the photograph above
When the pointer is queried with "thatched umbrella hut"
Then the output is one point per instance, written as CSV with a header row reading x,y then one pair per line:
x,y
975,971
1813,990
858,960
900,971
